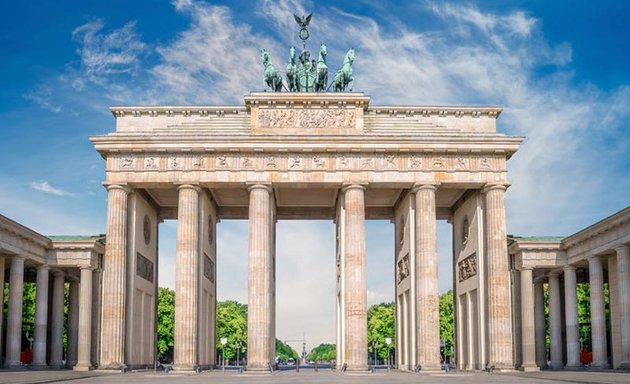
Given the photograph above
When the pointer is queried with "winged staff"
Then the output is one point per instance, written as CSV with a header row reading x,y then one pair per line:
x,y
303,23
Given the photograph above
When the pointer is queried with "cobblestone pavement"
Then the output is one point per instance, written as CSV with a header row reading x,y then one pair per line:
x,y
310,377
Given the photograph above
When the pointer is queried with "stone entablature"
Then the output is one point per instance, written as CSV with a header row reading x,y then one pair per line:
x,y
16,239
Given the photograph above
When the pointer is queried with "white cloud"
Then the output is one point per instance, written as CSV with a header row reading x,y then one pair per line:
x,y
44,186
43,96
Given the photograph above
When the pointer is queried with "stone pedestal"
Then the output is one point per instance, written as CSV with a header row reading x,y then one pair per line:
x,y
85,322
623,295
41,317
260,287
555,321
14,317
528,322
571,318
427,293
498,280
598,318
356,278
187,279
56,327
112,354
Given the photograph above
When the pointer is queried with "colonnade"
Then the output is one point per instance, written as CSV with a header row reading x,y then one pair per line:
x,y
49,317
563,309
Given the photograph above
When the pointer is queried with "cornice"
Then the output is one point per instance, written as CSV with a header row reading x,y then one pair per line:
x,y
24,232
620,218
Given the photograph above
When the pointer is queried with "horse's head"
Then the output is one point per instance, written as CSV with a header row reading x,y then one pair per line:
x,y
349,56
292,54
323,50
265,56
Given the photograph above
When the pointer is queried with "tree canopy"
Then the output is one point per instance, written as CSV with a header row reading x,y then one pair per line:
x,y
323,352
284,351
447,322
232,325
165,323
381,325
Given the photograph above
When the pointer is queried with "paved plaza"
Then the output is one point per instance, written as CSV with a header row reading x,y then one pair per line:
x,y
309,376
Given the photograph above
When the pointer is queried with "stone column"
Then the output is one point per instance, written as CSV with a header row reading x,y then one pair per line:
x,y
528,321
186,347
14,316
112,354
571,317
623,297
498,280
555,321
41,317
356,278
427,293
73,324
56,327
84,362
260,290
540,324
598,317
2,258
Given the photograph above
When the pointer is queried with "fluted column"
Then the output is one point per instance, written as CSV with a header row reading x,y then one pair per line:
x,y
259,288
498,279
598,317
540,324
114,280
528,333
14,316
571,317
73,324
56,326
427,293
356,278
623,298
84,362
555,321
41,316
186,347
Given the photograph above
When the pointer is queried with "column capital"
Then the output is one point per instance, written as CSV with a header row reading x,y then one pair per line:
x,y
348,186
622,248
418,186
18,257
555,273
594,259
90,267
569,267
265,186
43,267
122,187
525,268
492,186
189,186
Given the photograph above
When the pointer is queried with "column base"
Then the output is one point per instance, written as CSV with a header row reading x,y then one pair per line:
x,y
430,368
39,367
257,370
573,367
529,368
624,366
12,364
556,365
83,367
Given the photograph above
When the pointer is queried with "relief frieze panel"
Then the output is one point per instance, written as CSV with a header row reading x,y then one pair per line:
x,y
306,161
306,118
467,267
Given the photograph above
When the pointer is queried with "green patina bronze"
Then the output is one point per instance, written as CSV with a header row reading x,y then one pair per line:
x,y
305,74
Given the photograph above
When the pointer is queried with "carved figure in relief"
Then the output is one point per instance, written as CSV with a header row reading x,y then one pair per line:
x,y
318,161
272,78
197,161
150,162
222,161
390,160
415,161
126,162
296,162
438,162
292,72
247,162
485,163
343,161
174,162
344,76
461,162
366,162
271,162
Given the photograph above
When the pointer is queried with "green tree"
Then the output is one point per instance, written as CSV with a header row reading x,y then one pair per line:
x,y
447,322
231,324
284,351
381,325
323,352
165,323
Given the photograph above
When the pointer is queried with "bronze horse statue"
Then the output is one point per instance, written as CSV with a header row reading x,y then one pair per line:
x,y
292,80
321,73
272,78
344,76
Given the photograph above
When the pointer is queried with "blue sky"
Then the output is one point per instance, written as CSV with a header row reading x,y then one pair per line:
x,y
559,69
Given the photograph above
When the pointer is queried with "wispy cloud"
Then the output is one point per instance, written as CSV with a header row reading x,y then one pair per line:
x,y
44,97
44,186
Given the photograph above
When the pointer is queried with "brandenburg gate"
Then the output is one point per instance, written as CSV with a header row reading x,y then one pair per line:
x,y
306,155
